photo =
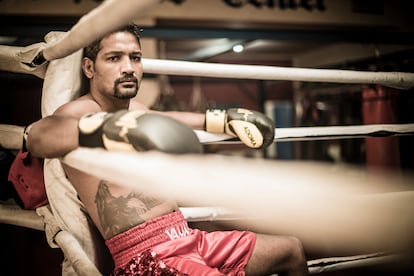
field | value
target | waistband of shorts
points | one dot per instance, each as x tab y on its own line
135	240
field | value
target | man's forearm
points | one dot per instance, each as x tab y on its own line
53	136
192	119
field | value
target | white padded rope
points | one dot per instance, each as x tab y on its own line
112	14
11	136
398	80
108	16
15	215
340	206
319	133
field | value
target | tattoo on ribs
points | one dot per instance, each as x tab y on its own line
119	213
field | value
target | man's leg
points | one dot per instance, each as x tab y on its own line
277	254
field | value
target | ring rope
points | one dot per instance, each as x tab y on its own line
319	133
111	14
342	203
399	80
107	17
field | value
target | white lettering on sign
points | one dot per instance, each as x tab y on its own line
79	1
282	4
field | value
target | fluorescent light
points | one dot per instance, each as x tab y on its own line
238	48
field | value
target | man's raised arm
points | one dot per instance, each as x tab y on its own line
53	136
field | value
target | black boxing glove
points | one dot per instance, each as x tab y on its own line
137	131
253	128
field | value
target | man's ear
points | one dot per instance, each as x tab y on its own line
87	67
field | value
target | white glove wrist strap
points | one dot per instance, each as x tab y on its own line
215	120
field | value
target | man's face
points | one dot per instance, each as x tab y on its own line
118	68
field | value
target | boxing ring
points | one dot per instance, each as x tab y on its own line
339	211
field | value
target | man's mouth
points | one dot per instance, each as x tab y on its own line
128	82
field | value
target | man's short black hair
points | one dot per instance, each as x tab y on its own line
91	51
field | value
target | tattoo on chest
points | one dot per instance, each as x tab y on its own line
118	213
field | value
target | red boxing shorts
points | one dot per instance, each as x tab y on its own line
167	246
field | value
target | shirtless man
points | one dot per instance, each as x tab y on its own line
143	232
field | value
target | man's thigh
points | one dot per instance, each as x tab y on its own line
270	255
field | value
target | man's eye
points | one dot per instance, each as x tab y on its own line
114	58
136	58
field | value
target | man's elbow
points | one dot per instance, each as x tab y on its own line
40	144
36	145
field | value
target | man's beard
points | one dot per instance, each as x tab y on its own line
121	92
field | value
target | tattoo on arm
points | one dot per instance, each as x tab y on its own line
119	213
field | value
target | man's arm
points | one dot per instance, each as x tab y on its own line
53	136
56	135
253	128
192	119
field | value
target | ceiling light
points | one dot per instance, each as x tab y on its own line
238	48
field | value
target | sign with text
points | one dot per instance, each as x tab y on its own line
316	12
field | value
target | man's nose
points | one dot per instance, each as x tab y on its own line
127	66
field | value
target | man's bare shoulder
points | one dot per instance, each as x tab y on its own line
78	107
135	105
